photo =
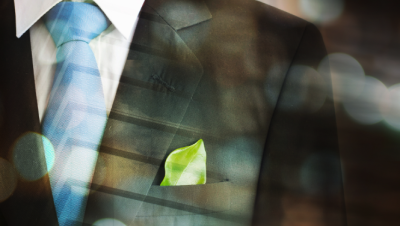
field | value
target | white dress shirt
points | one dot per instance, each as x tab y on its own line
110	48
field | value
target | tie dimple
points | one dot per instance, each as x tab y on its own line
75	117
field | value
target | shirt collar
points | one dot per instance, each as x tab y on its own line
122	13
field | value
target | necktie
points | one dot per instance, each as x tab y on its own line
75	116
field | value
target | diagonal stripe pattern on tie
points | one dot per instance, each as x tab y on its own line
76	110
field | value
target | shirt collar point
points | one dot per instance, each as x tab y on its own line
126	35
20	32
127	32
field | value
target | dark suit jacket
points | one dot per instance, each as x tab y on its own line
224	71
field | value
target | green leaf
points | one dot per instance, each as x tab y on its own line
186	166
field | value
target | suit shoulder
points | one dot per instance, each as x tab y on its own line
269	17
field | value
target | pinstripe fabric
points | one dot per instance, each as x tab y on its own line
76	108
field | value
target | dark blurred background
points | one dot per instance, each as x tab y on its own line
363	39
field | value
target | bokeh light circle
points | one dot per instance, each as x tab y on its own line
345	73
304	89
390	107
273	82
321	11
366	108
49	152
108	222
248	150
33	156
321	173
8	179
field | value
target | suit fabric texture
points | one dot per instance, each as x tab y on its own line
223	71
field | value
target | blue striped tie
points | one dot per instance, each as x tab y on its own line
76	115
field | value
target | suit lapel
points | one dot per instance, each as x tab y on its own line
31	202
160	77
181	13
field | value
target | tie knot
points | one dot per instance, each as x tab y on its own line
75	21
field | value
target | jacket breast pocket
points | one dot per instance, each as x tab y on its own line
186	199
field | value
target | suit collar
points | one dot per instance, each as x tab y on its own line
181	13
